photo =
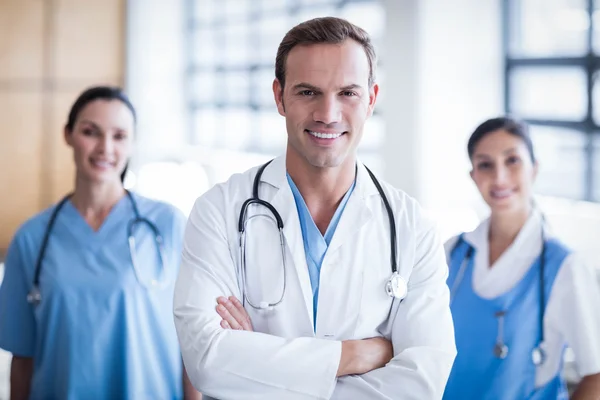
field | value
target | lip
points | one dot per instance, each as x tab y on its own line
334	135
503	193
102	164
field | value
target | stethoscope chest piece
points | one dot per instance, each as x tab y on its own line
537	356
501	351
396	286
34	296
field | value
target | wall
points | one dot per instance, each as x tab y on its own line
49	51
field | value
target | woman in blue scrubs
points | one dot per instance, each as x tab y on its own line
90	317
518	295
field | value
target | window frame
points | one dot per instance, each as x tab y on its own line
589	63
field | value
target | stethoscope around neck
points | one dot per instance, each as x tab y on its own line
501	349
34	296
395	286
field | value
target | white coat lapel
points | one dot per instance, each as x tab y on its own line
283	201
356	214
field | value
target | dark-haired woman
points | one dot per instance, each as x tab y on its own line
518	295
86	300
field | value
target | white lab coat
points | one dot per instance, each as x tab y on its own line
571	316
285	358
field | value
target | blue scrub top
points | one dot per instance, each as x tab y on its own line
97	333
315	244
477	373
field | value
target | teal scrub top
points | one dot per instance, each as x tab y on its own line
97	333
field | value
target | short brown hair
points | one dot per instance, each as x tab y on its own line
323	30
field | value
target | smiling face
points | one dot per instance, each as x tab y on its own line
326	101
504	171
102	140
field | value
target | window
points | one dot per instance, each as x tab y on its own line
552	59
232	47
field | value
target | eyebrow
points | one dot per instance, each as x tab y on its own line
90	123
505	152
96	126
304	85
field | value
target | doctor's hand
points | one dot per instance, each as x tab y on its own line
233	313
362	356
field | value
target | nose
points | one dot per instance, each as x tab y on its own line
501	175
328	110
106	144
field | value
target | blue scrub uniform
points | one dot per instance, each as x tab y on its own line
477	373
315	244
97	333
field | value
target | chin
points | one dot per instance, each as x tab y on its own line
101	177
506	206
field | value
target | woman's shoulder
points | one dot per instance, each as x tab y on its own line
35	225
472	237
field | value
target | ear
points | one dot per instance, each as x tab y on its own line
68	135
471	175
373	92
278	94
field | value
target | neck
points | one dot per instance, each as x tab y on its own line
504	227
96	200
321	187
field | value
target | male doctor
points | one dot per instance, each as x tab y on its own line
304	313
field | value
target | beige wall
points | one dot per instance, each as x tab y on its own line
50	50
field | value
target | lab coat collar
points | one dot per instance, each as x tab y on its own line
275	175
528	242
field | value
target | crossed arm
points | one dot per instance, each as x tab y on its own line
358	356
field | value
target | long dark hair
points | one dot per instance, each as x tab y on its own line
511	125
96	93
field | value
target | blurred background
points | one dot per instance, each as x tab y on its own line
199	73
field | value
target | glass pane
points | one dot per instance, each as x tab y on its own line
548	92
206	125
596	97
270	6
263	88
560	153
596	171
206	11
545	28
272	131
236	44
205	48
203	86
314	12
596	33
237	88
270	32
229	127
235	9
370	16
236	128
373	134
